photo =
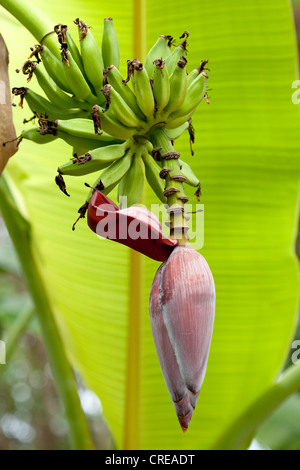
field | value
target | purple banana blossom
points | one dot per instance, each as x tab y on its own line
182	306
182	298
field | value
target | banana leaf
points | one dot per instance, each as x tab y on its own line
247	157
281	431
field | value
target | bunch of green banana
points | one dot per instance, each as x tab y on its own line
123	126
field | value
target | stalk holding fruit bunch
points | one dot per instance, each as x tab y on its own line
125	127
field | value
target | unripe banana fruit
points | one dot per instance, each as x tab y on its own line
142	87
110	45
178	87
160	50
195	93
119	107
112	76
161	85
93	161
53	66
131	185
91	56
40	105
152	171
53	92
178	52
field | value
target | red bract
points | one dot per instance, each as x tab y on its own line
135	227
182	306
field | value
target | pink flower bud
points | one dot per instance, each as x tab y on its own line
182	306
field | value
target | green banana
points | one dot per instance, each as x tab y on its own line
195	93
91	56
109	123
79	133
175	122
113	174
160	50
115	79
95	160
39	105
84	128
196	72
191	178
53	66
106	182
110	45
114	127
142	88
75	79
161	85
53	92
119	107
74	51
178	87
177	131
132	183
153	178
35	136
79	144
178	52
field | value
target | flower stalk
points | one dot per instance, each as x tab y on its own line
174	190
37	22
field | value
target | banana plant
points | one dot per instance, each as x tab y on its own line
244	152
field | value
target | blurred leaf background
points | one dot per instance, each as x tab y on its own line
30	417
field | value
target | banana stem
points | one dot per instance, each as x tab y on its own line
174	190
35	20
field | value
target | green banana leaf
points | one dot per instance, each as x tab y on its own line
247	157
282	431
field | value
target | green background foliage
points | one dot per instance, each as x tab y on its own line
247	158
